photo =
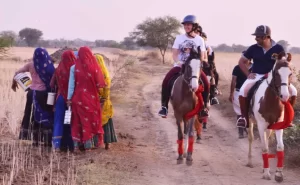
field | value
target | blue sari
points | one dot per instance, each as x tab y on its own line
43	115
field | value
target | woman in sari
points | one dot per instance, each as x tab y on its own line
85	80
62	132
43	115
106	105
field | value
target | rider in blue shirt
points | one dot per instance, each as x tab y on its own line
263	62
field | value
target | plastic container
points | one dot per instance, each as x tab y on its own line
51	98
23	80
68	114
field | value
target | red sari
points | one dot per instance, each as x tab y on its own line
62	73
86	117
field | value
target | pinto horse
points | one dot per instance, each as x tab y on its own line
270	105
184	99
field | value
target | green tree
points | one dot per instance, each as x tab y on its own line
11	36
157	33
30	35
4	45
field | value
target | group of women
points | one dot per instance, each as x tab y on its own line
82	84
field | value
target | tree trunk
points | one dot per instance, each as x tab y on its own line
163	52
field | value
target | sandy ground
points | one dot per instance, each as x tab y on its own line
146	152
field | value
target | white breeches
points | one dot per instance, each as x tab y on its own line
236	103
250	82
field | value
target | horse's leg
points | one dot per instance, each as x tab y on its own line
250	139
198	127
189	158
180	141
262	127
185	138
280	155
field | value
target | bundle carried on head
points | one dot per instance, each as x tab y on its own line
56	56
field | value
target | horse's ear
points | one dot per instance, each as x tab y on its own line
275	56
289	57
280	55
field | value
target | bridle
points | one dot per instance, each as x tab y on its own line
188	79
272	84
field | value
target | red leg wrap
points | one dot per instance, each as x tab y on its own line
191	144
280	159
180	146
265	157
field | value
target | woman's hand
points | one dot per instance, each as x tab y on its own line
14	86
69	103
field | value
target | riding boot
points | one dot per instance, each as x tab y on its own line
213	99
243	121
164	103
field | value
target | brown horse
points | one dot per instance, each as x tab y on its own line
184	99
269	107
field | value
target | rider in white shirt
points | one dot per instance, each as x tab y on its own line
182	46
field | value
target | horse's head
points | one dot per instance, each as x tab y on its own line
281	74
192	70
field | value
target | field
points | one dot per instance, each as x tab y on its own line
146	151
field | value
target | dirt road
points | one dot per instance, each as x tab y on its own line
146	152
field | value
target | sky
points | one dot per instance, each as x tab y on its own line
224	21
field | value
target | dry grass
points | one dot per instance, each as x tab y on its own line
19	162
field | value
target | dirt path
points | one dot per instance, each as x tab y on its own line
146	152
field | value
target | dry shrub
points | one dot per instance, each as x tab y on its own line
118	71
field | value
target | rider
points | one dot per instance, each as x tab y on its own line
181	47
210	70
237	80
261	54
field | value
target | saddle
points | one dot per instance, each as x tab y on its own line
252	91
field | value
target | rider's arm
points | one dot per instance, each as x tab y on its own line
203	52
233	82
244	63
175	53
245	60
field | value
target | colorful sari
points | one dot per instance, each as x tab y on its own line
62	133
107	108
86	111
43	115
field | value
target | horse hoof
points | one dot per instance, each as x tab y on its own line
250	165
278	177
267	176
189	160
205	130
180	159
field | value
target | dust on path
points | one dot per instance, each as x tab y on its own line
146	152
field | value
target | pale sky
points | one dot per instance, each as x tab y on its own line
224	21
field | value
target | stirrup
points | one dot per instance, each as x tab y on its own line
241	126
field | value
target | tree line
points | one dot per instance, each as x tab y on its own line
157	33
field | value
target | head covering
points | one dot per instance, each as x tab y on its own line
62	72
43	66
85	103
262	30
107	109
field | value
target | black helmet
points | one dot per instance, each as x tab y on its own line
262	30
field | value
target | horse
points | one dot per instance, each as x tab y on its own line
269	104
183	100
